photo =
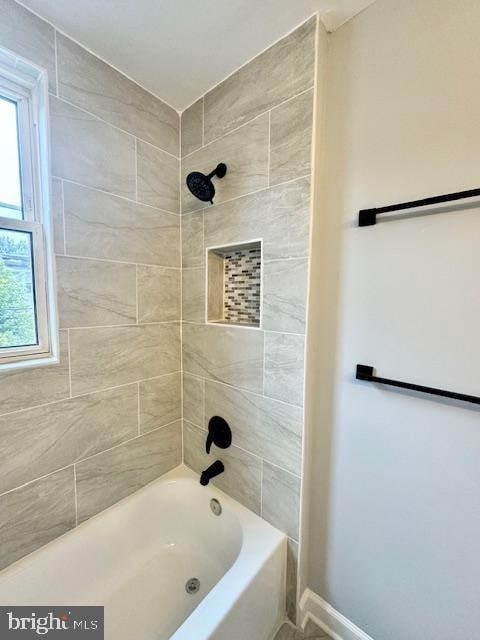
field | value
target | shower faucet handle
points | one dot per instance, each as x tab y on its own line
219	433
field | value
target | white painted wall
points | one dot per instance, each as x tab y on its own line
394	515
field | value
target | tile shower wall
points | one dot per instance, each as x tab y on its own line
78	436
259	122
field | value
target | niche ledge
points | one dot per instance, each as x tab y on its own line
234	280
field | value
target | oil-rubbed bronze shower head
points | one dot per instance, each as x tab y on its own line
201	185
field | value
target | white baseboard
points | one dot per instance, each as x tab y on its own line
315	608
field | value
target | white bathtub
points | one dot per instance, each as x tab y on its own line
136	557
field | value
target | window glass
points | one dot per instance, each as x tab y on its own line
10	189
17	295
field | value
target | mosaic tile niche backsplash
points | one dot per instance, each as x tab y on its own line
242	277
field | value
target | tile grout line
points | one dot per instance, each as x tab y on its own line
181	298
250	193
110	124
93	455
243	390
110	260
88	393
115	195
244	124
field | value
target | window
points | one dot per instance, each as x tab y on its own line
27	311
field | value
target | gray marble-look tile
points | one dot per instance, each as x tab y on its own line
284	367
265	427
193	294
97	87
292	566
279	215
28	36
227	354
281	499
291	126
93	292
99	225
192	127
115	474
159	295
244	151
193	399
160	401
281	72
38	441
107	357
285	295
192	240
242	476
36	514
24	388
90	151
57	216
157	178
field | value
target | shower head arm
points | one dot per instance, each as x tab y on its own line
219	171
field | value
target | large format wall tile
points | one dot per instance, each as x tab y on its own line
242	476
291	138
192	128
281	499
23	388
245	152
265	427
115	474
157	178
285	295
99	225
38	441
193	295
284	367
227	354
92	292
160	401
93	85
29	37
35	514
279	215
159	295
107	357
89	151
284	70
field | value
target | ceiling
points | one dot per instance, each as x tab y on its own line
179	49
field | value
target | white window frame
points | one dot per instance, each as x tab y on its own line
27	86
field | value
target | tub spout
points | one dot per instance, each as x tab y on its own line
213	470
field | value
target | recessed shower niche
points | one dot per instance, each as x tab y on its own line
234	282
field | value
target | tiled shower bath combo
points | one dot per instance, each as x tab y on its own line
142	369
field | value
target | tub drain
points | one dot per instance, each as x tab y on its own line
192	586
